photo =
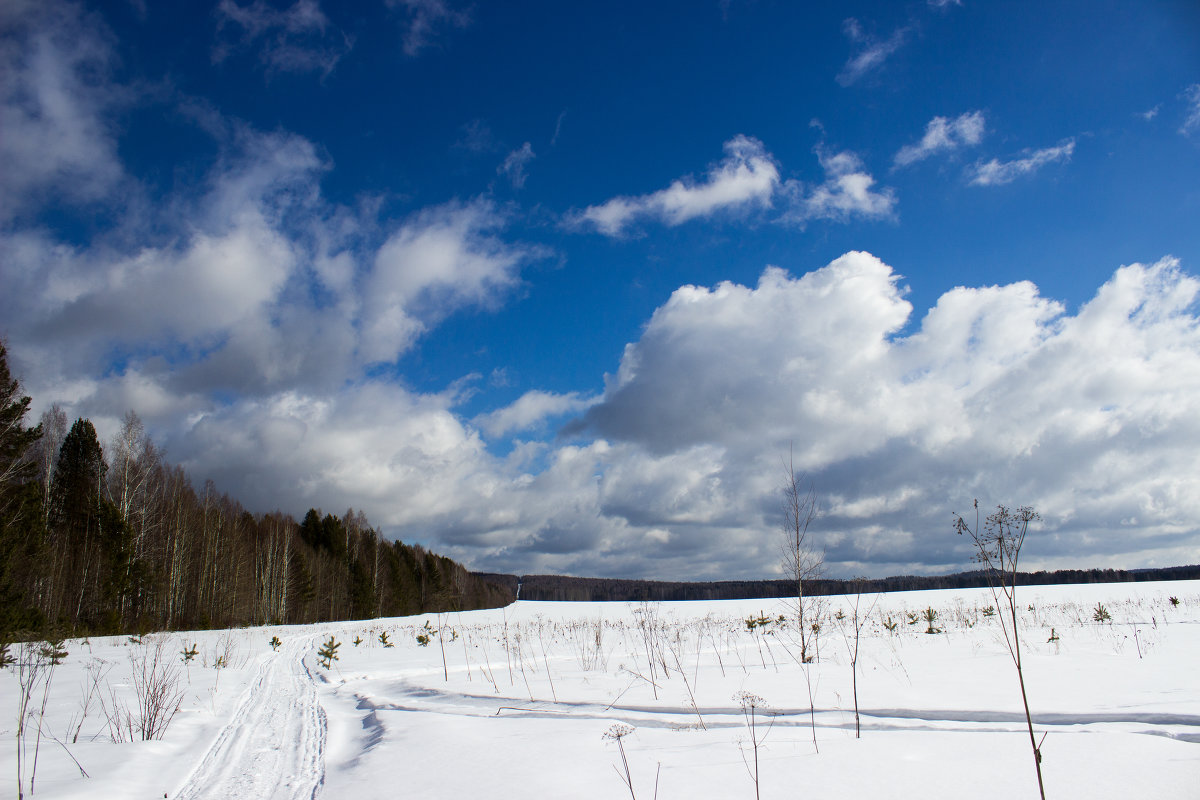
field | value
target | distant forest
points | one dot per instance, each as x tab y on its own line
565	588
119	540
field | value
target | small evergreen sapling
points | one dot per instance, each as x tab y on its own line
930	617
186	655
274	642
53	651
1101	614
328	653
383	640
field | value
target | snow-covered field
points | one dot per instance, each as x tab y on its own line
516	702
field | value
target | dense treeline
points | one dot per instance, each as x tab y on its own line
566	588
120	541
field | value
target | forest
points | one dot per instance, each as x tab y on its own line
572	589
115	539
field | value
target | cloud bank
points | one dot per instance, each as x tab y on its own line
996	392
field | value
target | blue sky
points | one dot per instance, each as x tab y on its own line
555	287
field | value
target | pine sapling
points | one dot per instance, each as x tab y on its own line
328	653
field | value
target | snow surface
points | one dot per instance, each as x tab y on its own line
532	689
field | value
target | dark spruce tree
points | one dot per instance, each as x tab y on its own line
75	526
22	534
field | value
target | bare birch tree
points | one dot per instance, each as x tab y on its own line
801	560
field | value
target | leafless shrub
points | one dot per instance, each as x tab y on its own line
852	625
34	675
617	733
157	690
752	707
97	668
998	548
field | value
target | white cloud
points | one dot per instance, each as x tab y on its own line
56	106
298	39
943	134
999	394
250	283
442	259
515	163
1191	122
996	172
529	410
845	193
364	447
425	19
747	176
873	53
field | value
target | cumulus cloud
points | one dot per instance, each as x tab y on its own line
943	134
442	259
363	447
998	394
297	39
425	19
846	192
997	173
57	102
995	392
746	177
530	410
515	163
872	54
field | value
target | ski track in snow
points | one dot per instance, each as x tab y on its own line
1182	727
273	747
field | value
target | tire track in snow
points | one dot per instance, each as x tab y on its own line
273	747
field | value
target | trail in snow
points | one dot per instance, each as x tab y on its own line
1182	727
273	747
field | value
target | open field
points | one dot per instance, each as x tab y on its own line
517	702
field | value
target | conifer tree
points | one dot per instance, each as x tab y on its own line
75	512
21	534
